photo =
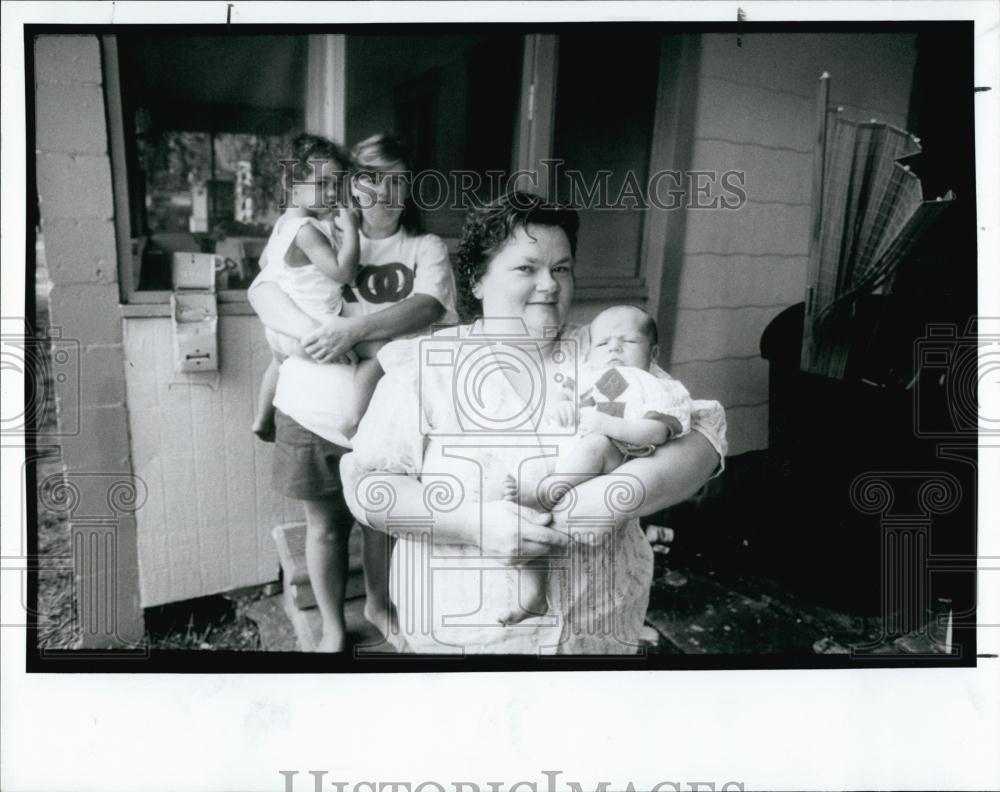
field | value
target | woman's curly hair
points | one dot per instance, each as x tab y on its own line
488	227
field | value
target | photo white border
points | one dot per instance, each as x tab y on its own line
894	728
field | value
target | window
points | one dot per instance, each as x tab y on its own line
199	124
202	149
604	123
597	104
454	99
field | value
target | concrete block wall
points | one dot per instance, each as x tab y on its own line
102	495
755	113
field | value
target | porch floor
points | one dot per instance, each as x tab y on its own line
282	630
690	612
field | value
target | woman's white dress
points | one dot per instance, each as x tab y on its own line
443	414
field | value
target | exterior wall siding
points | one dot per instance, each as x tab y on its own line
740	268
206	527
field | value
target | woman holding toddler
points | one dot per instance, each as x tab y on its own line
402	283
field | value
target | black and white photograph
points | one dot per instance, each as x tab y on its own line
358	344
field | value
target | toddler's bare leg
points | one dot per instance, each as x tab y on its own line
368	349
365	379
263	422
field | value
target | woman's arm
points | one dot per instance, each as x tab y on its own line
340	334
500	528
672	474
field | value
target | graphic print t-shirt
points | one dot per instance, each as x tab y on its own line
391	270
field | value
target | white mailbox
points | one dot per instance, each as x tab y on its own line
194	314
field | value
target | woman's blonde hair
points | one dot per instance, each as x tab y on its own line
382	151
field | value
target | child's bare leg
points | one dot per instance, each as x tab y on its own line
281	347
328	527
379	610
263	422
532	581
592	455
365	379
369	349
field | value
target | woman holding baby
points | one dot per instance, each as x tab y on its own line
516	534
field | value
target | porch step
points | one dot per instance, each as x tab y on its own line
304	598
290	540
308	628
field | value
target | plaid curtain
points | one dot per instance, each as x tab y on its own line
872	213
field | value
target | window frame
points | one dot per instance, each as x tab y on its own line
326	114
537	132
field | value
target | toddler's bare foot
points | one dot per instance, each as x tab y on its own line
384	620
263	427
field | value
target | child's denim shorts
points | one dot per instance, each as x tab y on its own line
306	467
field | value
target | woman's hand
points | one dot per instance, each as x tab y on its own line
333	340
514	533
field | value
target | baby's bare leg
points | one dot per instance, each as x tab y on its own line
533	579
592	455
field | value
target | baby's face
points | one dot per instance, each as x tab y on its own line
617	339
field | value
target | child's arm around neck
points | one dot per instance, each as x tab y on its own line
340	265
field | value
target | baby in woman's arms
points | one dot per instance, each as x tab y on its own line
624	412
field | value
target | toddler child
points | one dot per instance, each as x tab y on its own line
624	412
314	262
